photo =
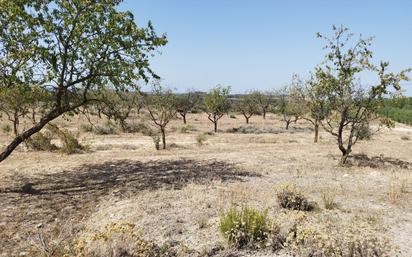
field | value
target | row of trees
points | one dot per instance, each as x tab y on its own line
59	58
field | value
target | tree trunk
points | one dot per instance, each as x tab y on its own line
184	118
247	120
344	158
27	134
316	132
287	124
215	122
163	137
264	113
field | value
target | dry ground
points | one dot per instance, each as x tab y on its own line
177	195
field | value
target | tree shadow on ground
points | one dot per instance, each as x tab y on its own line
73	194
362	160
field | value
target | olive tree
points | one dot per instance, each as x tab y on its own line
353	105
161	105
72	49
217	104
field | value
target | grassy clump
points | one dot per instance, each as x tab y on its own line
201	139
136	128
246	227
332	237
106	129
290	197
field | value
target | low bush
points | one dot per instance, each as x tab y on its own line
290	197
42	141
328	198
246	227
107	129
186	129
136	128
364	132
86	127
201	139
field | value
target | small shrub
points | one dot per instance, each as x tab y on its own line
290	197
86	127
232	116
186	129
328	198
106	129
136	128
201	139
42	141
245	227
70	143
364	132
6	128
405	138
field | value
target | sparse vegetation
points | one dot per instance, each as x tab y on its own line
290	197
245	227
217	104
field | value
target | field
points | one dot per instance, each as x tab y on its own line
176	196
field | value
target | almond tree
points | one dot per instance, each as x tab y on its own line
263	101
247	105
217	104
186	103
353	105
72	49
161	105
289	102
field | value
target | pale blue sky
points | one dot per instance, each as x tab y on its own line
260	44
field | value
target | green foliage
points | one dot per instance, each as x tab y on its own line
117	106
352	105
398	109
247	105
106	129
70	143
186	103
42	141
161	104
263	101
364	132
73	50
290	197
246	227
217	103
